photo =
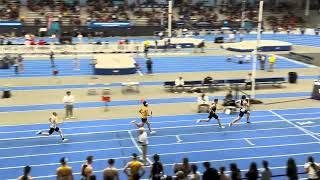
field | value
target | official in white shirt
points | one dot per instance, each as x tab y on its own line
203	102
143	141
179	83
68	101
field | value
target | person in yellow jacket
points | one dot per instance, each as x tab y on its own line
272	60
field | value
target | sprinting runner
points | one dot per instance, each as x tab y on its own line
244	103
53	127
212	114
145	112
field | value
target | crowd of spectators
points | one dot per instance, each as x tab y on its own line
9	11
185	170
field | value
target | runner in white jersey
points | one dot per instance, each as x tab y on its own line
244	102
53	127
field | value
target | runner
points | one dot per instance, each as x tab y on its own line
244	102
212	114
53	127
145	112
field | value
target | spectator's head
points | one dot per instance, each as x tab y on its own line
222	169
145	103
310	159
111	162
54	113
185	161
180	78
203	95
194	168
206	165
215	101
68	93
291	163
249	74
180	175
253	167
265	164
90	159
63	161
233	167
134	156
156	158
243	97
26	170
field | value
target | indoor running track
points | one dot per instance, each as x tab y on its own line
272	135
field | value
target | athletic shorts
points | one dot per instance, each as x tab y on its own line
53	129
213	115
243	112
144	120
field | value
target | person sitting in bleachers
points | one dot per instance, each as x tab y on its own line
179	83
229	100
203	103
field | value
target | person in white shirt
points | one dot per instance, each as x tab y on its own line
312	168
53	127
68	101
203	101
179	83
143	141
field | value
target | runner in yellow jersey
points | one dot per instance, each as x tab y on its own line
134	169
145	113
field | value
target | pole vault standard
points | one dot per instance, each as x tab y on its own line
254	53
169	18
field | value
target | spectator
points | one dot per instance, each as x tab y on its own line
52	59
87	169
156	168
195	175
312	168
26	174
111	172
210	173
266	172
133	168
149	65
16	67
262	59
229	100
253	172
184	167
68	101
292	169
20	63
203	101
235	172
143	141
223	176
272	60
208	81
64	172
179	83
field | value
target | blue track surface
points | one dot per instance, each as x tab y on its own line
272	135
39	68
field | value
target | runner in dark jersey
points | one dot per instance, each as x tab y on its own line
212	114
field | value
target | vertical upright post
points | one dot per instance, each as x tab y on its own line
243	12
254	53
307	10
169	18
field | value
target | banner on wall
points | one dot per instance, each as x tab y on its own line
109	24
10	23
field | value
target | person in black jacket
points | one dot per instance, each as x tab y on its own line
292	170
235	172
149	65
253	172
210	173
156	168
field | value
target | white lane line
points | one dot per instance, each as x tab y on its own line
215	160
248	141
179	140
298	127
